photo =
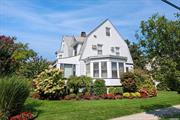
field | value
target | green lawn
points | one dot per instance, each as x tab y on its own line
99	109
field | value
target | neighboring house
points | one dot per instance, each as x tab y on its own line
102	53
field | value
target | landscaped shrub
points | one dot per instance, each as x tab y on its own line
144	93
23	116
13	93
162	86
87	96
144	82
116	90
70	97
137	94
133	95
126	95
50	84
118	97
99	87
128	82
75	83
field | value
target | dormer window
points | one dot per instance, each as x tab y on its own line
107	31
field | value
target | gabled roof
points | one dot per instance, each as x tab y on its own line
84	44
97	27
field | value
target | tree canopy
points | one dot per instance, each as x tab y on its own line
159	39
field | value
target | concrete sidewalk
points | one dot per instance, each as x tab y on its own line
152	115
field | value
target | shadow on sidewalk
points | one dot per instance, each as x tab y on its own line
164	111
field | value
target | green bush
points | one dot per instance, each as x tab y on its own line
143	81
75	83
116	90
13	93
50	84
162	86
128	82
99	87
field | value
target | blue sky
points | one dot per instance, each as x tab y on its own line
41	23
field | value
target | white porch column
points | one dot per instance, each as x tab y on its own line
91	69
109	69
99	69
124	67
117	65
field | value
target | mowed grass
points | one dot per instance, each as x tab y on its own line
99	109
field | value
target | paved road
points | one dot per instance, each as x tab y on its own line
153	115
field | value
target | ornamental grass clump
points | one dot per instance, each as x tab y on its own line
13	93
49	84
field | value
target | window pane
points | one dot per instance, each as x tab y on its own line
88	69
96	69
68	70
127	69
114	66
107	31
103	69
121	69
99	52
114	70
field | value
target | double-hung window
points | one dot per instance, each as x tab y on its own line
104	69
99	49
88	69
114	69
121	69
96	69
117	51
107	31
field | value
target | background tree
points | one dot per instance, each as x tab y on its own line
12	54
160	41
18	58
137	54
33	67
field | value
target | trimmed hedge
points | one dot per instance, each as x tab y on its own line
99	87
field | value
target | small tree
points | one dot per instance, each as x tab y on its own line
99	87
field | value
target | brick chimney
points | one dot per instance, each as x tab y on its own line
83	34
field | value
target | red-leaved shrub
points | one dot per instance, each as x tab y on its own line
23	116
144	93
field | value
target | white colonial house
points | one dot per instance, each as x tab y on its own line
102	53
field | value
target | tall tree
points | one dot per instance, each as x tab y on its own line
160	41
137	54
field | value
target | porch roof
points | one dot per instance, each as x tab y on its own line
106	56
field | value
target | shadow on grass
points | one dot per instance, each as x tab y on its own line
33	107
160	110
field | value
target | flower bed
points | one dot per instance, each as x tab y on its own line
110	96
24	116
